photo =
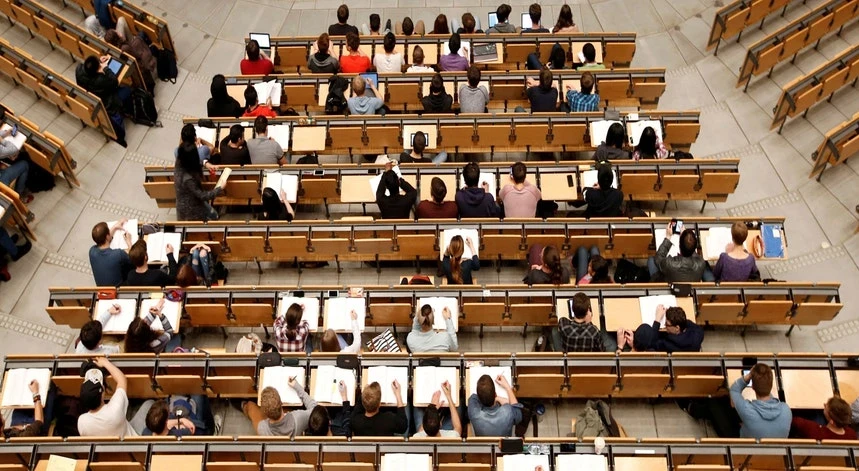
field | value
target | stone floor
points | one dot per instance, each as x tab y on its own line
820	227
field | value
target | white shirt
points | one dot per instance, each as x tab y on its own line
109	421
392	62
419	68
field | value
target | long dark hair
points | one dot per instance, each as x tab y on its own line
188	158
565	18
251	98
454	251
292	318
647	143
552	260
271	205
139	336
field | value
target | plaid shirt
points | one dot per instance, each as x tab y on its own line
283	343
580	336
581	102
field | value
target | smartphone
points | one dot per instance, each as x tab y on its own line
570	182
745	372
677	227
319	172
298	294
14	130
333	293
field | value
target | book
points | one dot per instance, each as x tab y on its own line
438	304
428	380
581	462
647	305
156	245
448	234
475	372
281	181
118	241
599	130
409	461
463	49
375	181
384	342
61	463
271	89
225	174
525	462
278	378
327	379
171	309
16	387
338	312
485	177
635	129
18	139
717	239
116	324
280	133
385	376
675	242
209	135
591	177
771	235
310	305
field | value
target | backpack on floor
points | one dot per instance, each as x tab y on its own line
143	109
165	61
335	102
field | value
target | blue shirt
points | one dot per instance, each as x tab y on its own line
495	421
581	102
364	104
109	266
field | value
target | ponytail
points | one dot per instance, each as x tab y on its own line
456	270
292	318
552	260
455	250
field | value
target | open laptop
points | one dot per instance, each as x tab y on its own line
526	21
493	19
114	65
487	52
263	39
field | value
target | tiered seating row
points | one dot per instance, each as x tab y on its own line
138	20
838	145
615	49
639	88
53	87
785	43
653	180
804	92
13	212
45	150
738	15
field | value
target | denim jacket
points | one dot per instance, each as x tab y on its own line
495	421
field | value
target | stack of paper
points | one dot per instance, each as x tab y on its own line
61	463
280	133
327	379
438	304
525	462
407	461
18	140
489	179
375	181
591	178
385	376
310	305
339	313
648	304
129	227
171	309
448	234
280	181
116	324
156	245
271	89
717	239
675	242
636	128
206	134
278	378
428	380
580	462
16	388
599	129
475	372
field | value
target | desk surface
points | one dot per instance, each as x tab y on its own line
640	463
848	384
356	189
806	389
555	186
175	462
80	465
748	393
626	312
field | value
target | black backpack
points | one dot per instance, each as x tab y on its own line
166	64
143	109
335	102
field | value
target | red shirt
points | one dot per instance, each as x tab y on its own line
257	67
805	428
431	210
356	64
260	110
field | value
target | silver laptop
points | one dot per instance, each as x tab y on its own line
263	39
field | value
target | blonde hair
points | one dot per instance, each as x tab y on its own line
371	397
270	403
455	251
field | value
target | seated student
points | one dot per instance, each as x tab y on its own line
391	203
109	266
440	25
94	76
437	207
320	424
252	106
334	342
178	416
375	26
579	334
590	53
31	429
269	418
234	148
536	13
469	25
603	200
680	335
431	422
612	147
490	415
503	26
457	271
438	101
649	146
473	98
836	411
100	419
342	28
453	62
321	62
596	270
222	105
474	201
14	169
354	61
262	149
766	416
546	267
140	337
565	22
407	27
735	263
361	104
519	196
418	62
543	95
194	269
291	332
369	421
136	47
15	252
257	62
275	207
389	61
417	156
205	149
584	100
423	338
557	59
90	337
142	275
686	267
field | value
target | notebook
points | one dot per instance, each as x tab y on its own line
16	388
599	129
269	90
171	309
116	324
717	239
375	181
448	234
581	462
281	181
647	305
525	462
485	177
428	380
463	46
438	304
339	312
18	139
591	177
118	241
675	242
225	175
407	461
385	376
771	235
278	378
327	379
475	372
280	133
636	128
209	135
61	463
311	309
156	245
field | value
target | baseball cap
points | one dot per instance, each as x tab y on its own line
92	389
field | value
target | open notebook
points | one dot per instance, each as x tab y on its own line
327	379
591	178
717	239
599	129
428	380
407	461
16	387
280	133
118	241
280	181
489	179
385	376
635	129
171	309
581	462
375	181
156	245
207	134
448	234
18	140
278	378
339	312
438	304
475	372
525	462
116	324
647	305
311	309
271	89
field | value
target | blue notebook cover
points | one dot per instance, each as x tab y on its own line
772	236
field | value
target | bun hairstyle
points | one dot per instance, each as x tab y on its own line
455	251
426	316
552	260
292	318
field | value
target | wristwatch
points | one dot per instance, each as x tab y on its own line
37	397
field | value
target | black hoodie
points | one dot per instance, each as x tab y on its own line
605	201
222	105
475	202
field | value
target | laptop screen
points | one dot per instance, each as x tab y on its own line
114	66
493	19
263	39
526	21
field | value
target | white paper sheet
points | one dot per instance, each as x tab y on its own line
156	245
118	241
18	140
525	462
311	309
428	380
438	304
171	309
717	239
580	462
599	129
280	133
327	379
278	378
647	305
281	181
117	324
635	129
591	178
475	372
339	312
16	389
385	376
406	461
675	242
485	177
448	234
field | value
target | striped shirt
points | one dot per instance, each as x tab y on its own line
582	102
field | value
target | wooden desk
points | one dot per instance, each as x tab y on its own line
848	384
555	186
640	463
806	389
174	462
308	138
626	312
356	189
80	465
748	393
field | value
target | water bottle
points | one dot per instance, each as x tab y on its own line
534	449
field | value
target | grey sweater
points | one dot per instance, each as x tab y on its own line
293	423
761	419
473	100
190	198
323	65
432	341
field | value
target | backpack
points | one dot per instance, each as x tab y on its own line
38	179
589	423
165	61
335	102
143	109
629	272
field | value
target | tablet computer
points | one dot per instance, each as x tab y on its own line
263	39
493	19
114	65
526	21
373	77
